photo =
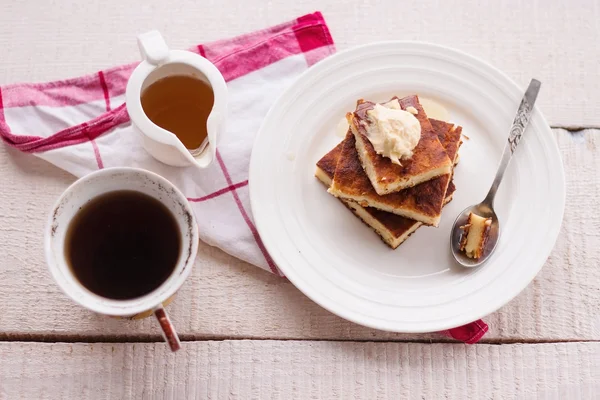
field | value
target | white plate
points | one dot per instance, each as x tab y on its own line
340	263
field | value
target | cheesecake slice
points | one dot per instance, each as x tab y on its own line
428	161
475	235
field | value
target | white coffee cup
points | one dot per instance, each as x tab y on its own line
114	179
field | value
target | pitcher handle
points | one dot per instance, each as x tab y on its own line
153	47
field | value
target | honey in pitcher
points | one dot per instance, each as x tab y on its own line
180	104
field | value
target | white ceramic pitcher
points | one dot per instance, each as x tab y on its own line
160	62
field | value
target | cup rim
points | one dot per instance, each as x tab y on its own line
83	296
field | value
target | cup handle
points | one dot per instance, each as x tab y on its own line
167	328
153	47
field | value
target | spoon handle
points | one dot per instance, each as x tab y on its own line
516	132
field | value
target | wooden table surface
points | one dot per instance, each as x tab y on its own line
248	334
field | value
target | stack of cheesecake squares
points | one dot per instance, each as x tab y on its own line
394	199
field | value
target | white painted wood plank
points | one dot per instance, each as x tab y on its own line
299	370
226	298
554	41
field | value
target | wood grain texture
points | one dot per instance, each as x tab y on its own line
226	298
299	370
554	41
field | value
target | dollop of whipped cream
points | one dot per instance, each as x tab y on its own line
393	132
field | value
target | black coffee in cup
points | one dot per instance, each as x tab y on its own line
123	244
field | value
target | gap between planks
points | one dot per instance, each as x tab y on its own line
190	338
575	128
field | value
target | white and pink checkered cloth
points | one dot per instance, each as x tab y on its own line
81	125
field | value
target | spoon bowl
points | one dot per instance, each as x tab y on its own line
483	210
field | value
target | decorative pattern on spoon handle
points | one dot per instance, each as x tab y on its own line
523	114
519	124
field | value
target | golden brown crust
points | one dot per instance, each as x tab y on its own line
428	156
451	189
395	224
462	245
425	199
450	137
485	234
329	161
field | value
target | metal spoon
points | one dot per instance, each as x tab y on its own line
486	207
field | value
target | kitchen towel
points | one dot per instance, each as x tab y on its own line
81	125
